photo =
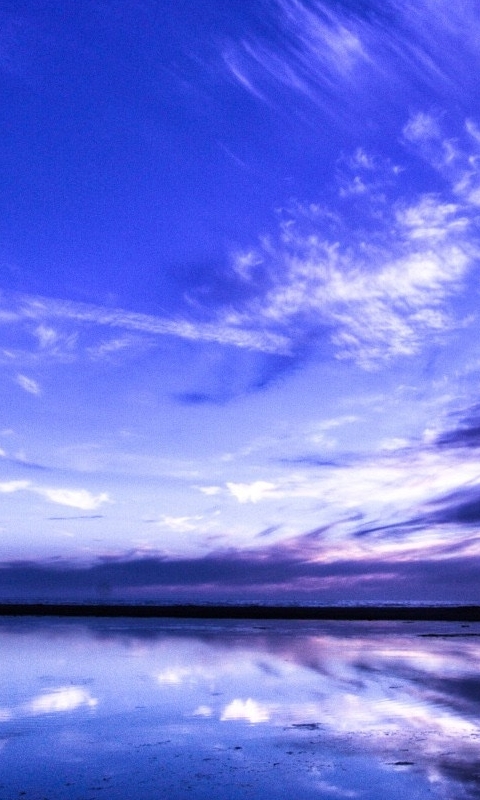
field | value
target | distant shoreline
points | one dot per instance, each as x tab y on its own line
457	613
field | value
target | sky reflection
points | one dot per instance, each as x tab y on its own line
330	709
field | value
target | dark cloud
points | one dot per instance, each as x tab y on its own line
461	507
277	572
310	461
393	530
467	432
196	398
267	531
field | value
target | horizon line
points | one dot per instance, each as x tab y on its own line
393	612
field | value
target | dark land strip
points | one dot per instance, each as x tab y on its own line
458	613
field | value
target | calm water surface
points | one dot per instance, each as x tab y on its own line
97	709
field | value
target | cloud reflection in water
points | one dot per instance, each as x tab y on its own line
323	709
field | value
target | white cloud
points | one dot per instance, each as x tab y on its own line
244	263
115	345
210	491
432	219
180	524
222	331
336	422
47	337
74	498
252	492
363	160
28	384
232	62
378	301
421	127
8	487
394	444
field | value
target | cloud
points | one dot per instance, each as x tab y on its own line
461	507
74	498
465	435
252	492
180	524
325	53
276	572
422	127
313	48
223	332
375	301
28	384
20	461
53	342
370	286
8	487
382	289
119	344
210	491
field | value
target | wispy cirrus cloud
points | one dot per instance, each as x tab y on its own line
370	280
29	385
42	310
314	46
374	300
374	276
324	53
37	308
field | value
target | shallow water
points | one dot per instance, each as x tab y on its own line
94	709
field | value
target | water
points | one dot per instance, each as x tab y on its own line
112	709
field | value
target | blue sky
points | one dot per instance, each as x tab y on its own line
239	342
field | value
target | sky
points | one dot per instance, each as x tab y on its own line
239	333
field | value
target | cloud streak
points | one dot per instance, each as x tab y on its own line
73	498
42	309
28	384
325	53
